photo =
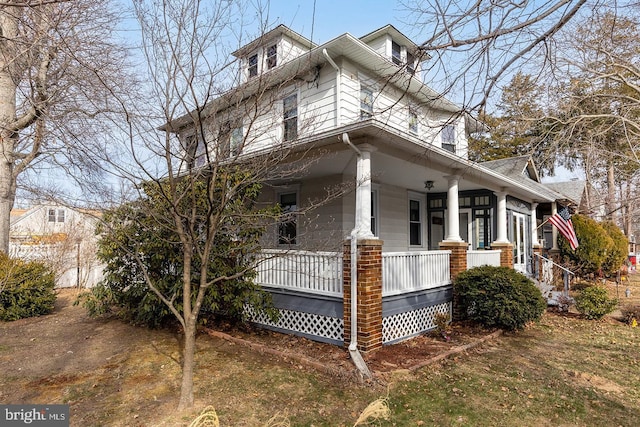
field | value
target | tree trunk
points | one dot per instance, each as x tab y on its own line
8	137
188	360
611	194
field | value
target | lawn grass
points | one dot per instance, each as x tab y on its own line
562	371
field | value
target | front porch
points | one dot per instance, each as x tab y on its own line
311	290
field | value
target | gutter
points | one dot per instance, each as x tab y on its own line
356	357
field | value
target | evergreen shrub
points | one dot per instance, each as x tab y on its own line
26	288
498	297
594	302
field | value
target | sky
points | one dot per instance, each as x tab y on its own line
333	18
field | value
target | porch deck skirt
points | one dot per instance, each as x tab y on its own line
320	317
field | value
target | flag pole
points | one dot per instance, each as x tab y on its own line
543	223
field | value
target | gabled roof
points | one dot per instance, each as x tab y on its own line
523	170
515	166
573	190
271	35
394	33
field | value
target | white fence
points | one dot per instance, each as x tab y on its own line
71	269
314	272
404	272
483	257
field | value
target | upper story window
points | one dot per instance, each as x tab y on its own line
396	53
366	102
413	120
448	136
272	56
195	151
290	112
230	139
411	63
56	215
253	65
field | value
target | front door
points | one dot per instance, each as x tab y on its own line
520	242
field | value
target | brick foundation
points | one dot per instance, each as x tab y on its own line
506	256
369	294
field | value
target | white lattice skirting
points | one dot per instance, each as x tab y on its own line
331	328
410	323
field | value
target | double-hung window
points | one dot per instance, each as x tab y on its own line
288	229
415	222
366	102
272	56
52	215
290	116
396	53
411	63
252	69
448	136
374	212
413	120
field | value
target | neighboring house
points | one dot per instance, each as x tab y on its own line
60	236
421	210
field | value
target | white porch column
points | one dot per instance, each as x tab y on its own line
501	236
534	225
363	192
554	231
453	216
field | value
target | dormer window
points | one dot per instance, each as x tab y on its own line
272	56
411	63
396	53
253	65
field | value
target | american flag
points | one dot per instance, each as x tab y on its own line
562	221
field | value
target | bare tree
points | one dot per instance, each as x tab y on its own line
59	67
207	150
473	47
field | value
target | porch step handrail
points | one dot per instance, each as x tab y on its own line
539	274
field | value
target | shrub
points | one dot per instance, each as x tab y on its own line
593	302
595	244
630	313
26	289
498	297
618	251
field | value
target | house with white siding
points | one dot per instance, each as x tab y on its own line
420	210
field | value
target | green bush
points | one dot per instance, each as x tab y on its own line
618	251
593	302
498	297
26	289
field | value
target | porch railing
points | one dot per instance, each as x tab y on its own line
404	272
483	257
305	271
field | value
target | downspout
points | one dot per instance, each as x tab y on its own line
356	357
338	91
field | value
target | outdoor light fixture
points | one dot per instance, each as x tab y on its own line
428	185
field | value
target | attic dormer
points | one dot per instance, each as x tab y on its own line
269	51
395	47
